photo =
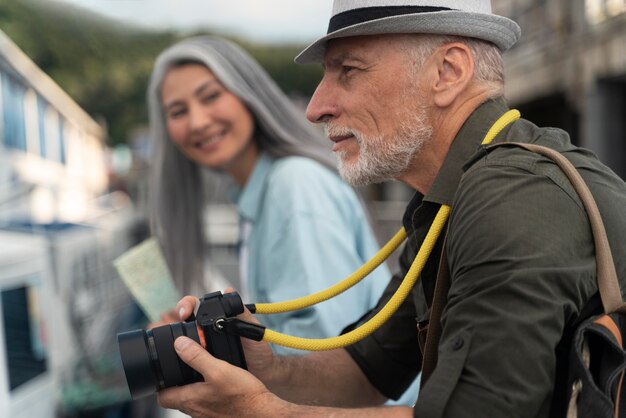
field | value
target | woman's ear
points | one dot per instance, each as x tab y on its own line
455	70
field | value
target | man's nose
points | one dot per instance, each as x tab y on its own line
322	106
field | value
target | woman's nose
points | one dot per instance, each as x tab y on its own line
199	118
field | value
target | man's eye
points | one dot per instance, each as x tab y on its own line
347	69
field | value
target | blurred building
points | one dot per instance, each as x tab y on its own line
61	226
569	70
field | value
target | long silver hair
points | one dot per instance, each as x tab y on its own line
177	185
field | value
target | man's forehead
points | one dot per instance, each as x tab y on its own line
359	48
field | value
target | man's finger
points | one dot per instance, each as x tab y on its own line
247	316
170	398
194	355
186	306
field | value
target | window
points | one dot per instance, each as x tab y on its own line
51	126
62	140
41	123
31	122
13	115
23	335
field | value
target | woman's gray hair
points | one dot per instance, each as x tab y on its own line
177	183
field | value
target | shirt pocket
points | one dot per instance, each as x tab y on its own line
451	360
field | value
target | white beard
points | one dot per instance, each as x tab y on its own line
383	158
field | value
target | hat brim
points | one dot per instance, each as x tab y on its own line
501	31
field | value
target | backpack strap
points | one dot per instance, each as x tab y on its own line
440	298
608	284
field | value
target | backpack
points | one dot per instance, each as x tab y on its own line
597	360
596	368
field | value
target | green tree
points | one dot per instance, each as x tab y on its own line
105	65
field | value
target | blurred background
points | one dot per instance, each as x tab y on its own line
75	154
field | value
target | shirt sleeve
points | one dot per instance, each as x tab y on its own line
319	231
390	357
522	265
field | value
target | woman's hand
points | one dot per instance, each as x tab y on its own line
167	318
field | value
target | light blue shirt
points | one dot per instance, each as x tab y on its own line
306	231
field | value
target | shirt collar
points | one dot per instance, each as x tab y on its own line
250	197
465	144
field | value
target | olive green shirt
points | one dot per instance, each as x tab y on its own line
522	266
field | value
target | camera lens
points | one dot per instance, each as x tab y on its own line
150	361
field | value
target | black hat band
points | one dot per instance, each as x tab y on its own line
366	14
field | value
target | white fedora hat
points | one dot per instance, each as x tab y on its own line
471	18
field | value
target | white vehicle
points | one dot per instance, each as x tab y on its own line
27	385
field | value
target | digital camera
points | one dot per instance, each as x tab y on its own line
149	358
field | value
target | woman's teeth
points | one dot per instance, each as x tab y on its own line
211	139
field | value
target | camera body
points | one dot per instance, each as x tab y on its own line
150	361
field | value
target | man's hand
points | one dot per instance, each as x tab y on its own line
259	356
328	378
227	390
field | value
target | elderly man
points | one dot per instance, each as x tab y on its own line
410	89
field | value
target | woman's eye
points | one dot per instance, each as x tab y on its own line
175	114
209	98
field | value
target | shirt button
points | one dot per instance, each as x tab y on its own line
457	344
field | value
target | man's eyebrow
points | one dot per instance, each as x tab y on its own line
341	59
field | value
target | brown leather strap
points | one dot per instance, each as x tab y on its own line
608	283
607	322
440	297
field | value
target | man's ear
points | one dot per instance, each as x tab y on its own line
455	70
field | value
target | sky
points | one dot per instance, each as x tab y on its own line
261	20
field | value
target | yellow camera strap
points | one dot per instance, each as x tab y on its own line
244	329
